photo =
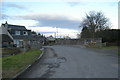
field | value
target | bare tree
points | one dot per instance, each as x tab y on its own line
95	21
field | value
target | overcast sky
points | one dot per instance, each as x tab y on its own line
44	16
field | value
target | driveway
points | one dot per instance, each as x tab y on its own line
73	62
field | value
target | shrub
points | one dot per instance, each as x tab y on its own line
10	51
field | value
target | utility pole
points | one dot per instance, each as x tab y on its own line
55	34
57	31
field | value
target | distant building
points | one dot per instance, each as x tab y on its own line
19	33
50	40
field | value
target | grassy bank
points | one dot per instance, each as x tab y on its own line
110	47
118	52
13	64
8	51
106	48
103	47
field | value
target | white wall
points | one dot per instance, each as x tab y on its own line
3	30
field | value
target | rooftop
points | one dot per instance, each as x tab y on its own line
11	26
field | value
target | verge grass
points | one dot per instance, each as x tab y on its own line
118	52
103	47
110	47
14	64
106	48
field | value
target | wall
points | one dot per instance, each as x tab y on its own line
93	42
3	30
69	41
85	41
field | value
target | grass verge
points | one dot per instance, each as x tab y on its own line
110	47
103	47
106	48
118	52
14	64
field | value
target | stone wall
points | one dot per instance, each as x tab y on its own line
85	41
27	45
69	41
93	41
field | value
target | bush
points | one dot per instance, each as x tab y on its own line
10	51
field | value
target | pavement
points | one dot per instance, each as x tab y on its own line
62	61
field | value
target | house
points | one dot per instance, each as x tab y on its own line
22	37
50	40
5	37
19	34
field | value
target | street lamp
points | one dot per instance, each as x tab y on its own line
56	32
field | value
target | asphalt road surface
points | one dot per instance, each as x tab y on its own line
73	62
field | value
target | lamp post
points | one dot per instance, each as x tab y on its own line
57	31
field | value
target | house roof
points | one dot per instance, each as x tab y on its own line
18	27
50	38
5	38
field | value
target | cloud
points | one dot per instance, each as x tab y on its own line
61	0
4	16
16	6
47	31
73	3
52	20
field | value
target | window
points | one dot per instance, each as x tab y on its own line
17	32
16	42
25	33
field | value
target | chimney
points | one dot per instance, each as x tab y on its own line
6	24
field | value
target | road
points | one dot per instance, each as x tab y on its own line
73	62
